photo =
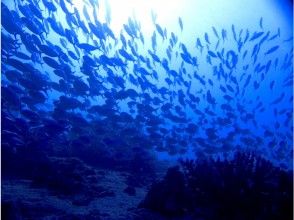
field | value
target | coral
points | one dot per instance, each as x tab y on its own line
131	191
168	196
245	187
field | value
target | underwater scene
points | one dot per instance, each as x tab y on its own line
144	109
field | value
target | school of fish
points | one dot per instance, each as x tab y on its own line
69	80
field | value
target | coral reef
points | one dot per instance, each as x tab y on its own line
245	187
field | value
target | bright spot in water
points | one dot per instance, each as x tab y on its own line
197	15
121	10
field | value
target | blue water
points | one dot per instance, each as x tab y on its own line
244	78
83	79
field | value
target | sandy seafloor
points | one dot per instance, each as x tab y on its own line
24	200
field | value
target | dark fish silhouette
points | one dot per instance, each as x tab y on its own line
271	50
256	35
180	23
261	22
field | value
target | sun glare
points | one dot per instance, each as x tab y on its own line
166	12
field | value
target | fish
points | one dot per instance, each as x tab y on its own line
289	39
13	75
153	16
22	55
230	88
246	36
279	99
232	59
97	30
48	50
206	38
80	87
154	56
247	81
49	6
256	85
223	89
71	36
86	14
256	35
51	62
272	84
200	79
73	55
255	50
272	49
64	7
212	54
275	36
154	42
160	31
217	45
261	22
142	38
215	32
244	54
264	38
180	23
268	66
87	47
126	55
224	34
209	98
234	32
199	45
33	25
108	31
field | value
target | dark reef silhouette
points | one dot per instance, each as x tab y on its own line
245	187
